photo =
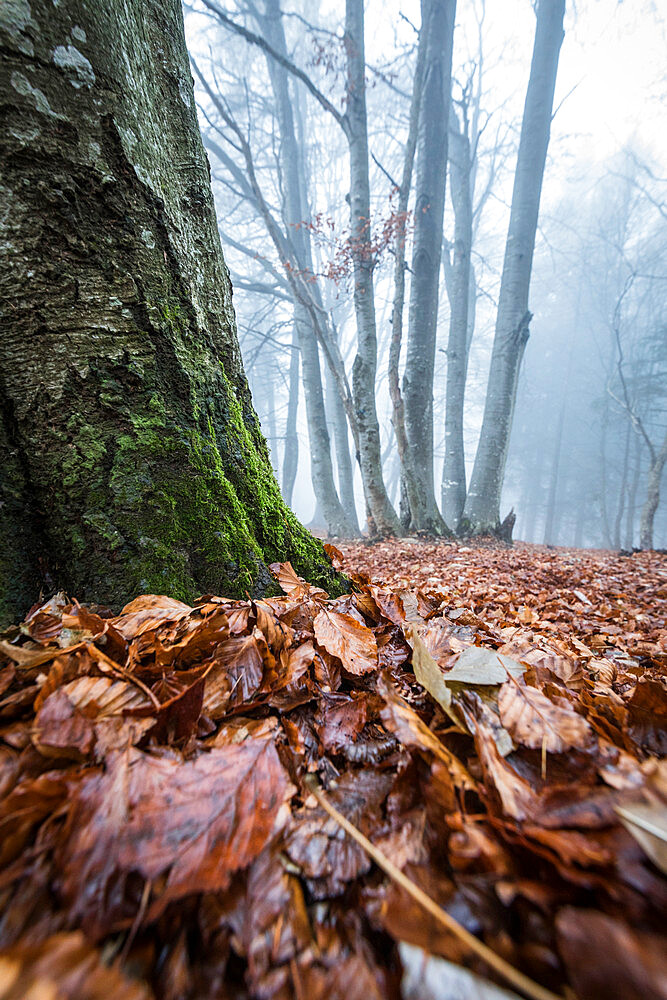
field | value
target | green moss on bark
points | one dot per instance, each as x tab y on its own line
139	462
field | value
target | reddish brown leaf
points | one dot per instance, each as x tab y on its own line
64	967
535	721
353	643
194	821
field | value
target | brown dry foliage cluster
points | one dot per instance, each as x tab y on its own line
493	722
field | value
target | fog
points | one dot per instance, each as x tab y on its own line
566	428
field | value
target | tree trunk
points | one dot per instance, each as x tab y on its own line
425	282
133	458
364	369
453	491
410	493
532	497
291	449
482	510
295	212
632	493
342	450
652	496
620	506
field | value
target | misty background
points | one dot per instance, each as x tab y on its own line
590	414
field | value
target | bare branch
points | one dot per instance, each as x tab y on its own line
287	64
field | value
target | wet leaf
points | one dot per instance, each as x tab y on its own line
194	821
353	643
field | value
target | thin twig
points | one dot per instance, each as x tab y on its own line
522	982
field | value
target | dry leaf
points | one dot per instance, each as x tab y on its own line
533	720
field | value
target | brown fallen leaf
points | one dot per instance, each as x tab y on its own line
406	725
195	821
607	958
64	967
148	611
429	674
342	636
533	720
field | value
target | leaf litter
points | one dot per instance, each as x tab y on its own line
457	763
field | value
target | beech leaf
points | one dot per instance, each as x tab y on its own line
196	821
533	720
343	636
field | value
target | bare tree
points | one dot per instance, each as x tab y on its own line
426	257
482	509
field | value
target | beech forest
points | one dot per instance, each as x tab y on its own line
333	517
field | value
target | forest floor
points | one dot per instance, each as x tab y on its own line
185	790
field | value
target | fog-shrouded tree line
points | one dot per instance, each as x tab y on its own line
407	345
448	321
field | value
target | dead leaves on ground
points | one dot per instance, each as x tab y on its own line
158	839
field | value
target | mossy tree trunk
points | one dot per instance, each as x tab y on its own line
132	459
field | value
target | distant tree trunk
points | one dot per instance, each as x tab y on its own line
656	468
365	363
632	494
294	212
132	457
604	511
410	497
453	489
620	506
342	449
291	451
532	497
550	526
549	533
482	510
425	281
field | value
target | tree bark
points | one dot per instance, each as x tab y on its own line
620	506
344	464
133	457
482	510
364	370
453	491
409	475
656	469
425	281
632	493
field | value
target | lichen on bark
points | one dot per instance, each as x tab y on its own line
133	459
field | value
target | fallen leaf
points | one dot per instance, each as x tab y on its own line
353	643
196	821
533	720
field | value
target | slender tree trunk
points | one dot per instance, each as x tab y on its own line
453	490
532	498
425	281
632	493
652	496
482	510
549	533
364	369
291	451
409	476
133	459
604	510
342	449
294	212
620	506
